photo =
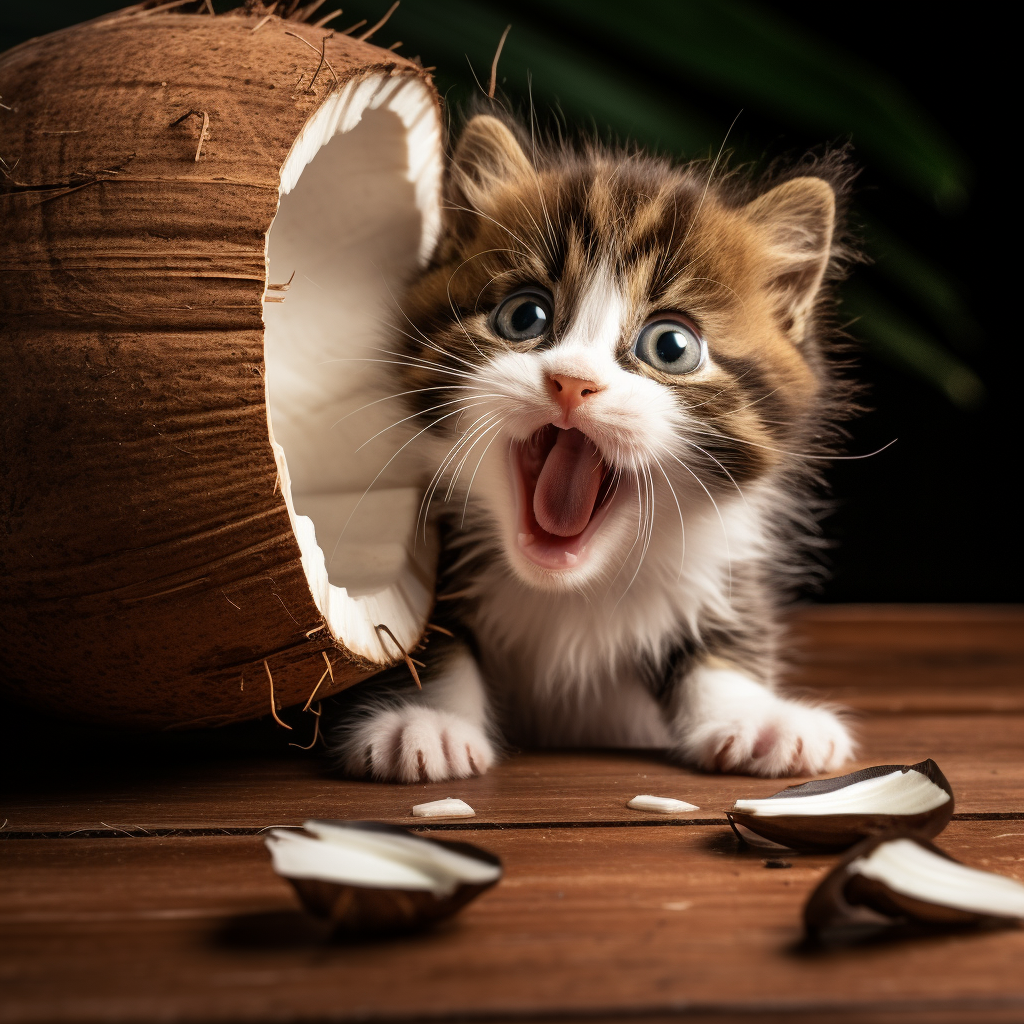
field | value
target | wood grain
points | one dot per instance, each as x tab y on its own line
609	921
604	913
900	658
981	756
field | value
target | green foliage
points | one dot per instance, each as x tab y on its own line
672	75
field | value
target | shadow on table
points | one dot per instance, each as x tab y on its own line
292	929
274	929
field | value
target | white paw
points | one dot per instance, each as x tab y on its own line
417	744
742	728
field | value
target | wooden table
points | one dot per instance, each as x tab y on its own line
136	887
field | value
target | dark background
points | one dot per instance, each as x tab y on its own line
924	103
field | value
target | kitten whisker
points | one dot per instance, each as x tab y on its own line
396	362
402	394
435	480
707	184
427	341
721	391
465	455
720	284
682	527
451	301
497	426
461	440
481	433
455	312
423	412
732	479
634	472
499	225
648	524
718	512
529	213
490	281
799	455
355	507
433	347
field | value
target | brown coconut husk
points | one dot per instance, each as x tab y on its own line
151	569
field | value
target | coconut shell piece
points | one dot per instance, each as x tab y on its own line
832	814
200	215
369	878
900	880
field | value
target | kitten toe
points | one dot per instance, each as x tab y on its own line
727	747
732	723
420	755
370	745
794	740
415	744
468	750
822	742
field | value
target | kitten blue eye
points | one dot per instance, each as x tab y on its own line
523	316
671	346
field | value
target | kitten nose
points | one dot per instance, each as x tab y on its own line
571	392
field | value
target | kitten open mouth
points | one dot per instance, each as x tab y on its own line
564	489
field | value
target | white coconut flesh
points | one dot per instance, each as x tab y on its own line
375	860
660	804
896	793
359	212
913	870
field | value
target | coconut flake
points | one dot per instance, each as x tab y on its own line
661	804
450	807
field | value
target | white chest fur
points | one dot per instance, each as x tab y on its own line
566	668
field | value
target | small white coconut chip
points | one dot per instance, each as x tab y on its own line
661	805
447	808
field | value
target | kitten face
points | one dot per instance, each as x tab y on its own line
607	347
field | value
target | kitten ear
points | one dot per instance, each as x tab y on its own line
797	219
487	155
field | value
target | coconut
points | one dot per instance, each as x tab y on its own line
833	814
367	877
204	220
900	879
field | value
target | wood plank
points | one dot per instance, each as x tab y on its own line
980	754
602	921
906	658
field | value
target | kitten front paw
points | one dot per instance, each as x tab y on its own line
745	729
416	744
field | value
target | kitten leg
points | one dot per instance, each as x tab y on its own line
725	721
419	736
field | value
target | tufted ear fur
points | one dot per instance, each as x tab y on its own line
797	219
487	156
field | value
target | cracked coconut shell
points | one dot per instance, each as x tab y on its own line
900	880
366	877
183	538
828	815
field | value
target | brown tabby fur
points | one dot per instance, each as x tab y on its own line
751	261
676	238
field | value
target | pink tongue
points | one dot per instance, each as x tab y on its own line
568	484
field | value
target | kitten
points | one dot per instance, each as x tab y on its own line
620	371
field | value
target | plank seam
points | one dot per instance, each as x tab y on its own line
461	826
